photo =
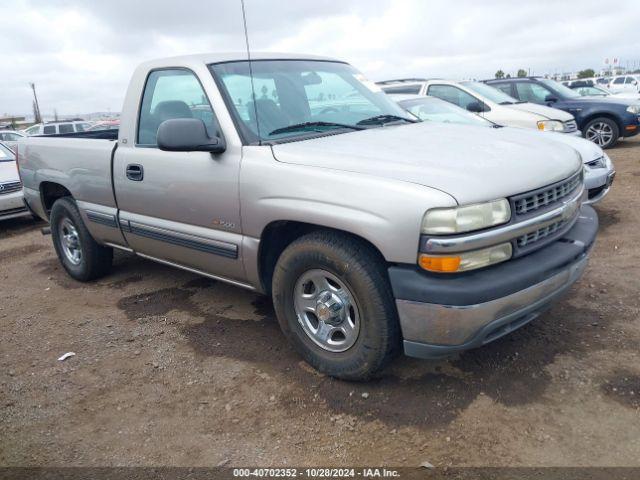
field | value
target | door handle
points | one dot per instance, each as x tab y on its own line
135	172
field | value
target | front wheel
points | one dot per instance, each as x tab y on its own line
81	256
333	301
602	131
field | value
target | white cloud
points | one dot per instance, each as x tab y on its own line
80	54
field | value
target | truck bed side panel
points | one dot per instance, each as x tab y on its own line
83	167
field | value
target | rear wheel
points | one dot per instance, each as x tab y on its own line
81	256
602	131
334	303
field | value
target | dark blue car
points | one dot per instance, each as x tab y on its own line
601	120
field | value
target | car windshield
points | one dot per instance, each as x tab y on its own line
6	155
492	94
297	98
592	91
433	109
566	92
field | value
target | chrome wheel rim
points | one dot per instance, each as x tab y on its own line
326	310
600	133
70	241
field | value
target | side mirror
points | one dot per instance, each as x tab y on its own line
187	135
551	99
475	107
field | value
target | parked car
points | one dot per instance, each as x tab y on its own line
597	91
489	103
601	120
370	230
106	125
625	83
11	198
599	171
57	128
10	138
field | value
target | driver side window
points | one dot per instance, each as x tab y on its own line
532	92
170	94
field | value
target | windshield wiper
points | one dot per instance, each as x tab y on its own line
385	118
506	103
302	126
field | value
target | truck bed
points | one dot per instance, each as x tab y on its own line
79	161
94	134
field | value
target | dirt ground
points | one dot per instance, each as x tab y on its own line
174	369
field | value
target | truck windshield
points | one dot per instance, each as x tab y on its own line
298	98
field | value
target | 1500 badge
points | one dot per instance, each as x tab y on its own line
223	224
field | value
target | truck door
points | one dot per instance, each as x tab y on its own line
179	207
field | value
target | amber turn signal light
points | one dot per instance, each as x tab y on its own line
440	264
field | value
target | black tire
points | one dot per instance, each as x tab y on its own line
362	270
605	123
95	260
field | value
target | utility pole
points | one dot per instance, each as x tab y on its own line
36	112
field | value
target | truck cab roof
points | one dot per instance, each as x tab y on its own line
221	57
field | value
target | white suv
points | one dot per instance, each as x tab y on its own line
55	128
488	102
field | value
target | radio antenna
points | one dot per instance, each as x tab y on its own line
253	90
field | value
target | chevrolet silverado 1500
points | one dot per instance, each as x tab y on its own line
296	177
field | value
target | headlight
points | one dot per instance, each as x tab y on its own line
597	163
635	109
462	262
443	221
550	126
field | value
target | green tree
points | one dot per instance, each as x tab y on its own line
499	74
588	73
522	73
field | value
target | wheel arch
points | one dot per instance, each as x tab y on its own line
279	234
599	114
50	192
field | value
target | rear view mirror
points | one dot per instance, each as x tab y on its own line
551	99
475	107
311	78
187	135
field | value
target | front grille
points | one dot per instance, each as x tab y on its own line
570	126
546	196
10	187
544	232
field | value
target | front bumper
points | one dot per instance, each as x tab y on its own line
598	189
442	315
12	206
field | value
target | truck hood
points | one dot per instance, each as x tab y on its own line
546	112
472	164
8	172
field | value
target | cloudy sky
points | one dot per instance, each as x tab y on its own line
80	53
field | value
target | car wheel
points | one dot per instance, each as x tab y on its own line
81	256
334	303
602	131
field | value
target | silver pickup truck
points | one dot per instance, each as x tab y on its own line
296	177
